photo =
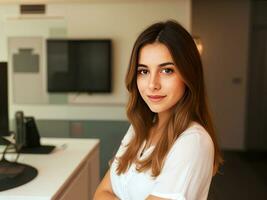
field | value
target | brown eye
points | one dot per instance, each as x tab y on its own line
142	71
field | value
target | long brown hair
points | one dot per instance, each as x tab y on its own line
191	107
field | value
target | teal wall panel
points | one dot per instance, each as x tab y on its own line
53	128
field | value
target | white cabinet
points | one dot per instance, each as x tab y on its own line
84	181
70	172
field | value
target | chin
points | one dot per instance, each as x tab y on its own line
156	109
160	108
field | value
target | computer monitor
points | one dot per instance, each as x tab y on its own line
12	174
4	120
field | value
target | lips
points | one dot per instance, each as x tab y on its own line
155	98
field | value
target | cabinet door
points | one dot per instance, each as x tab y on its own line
93	172
78	188
83	185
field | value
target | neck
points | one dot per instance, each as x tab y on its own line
162	119
157	129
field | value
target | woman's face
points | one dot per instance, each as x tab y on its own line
158	79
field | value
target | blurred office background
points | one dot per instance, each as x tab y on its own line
233	35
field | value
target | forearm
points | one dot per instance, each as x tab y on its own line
105	195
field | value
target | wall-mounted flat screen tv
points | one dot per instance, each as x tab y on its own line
79	65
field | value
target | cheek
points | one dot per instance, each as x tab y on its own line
179	87
140	85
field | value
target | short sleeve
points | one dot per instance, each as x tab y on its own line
187	171
125	141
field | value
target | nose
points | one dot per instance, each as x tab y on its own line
154	82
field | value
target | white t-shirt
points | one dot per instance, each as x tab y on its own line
186	174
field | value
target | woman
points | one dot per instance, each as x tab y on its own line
170	150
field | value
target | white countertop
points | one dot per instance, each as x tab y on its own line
53	169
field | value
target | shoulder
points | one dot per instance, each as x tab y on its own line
194	141
196	133
188	167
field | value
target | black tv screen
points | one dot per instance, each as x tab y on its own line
79	65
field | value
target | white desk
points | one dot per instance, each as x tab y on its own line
70	172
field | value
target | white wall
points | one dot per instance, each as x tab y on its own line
223	27
119	21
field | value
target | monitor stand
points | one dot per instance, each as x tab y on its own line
4	141
42	149
14	174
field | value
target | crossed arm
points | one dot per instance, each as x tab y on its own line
104	191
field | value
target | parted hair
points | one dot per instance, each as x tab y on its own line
192	106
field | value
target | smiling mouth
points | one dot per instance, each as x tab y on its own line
156	98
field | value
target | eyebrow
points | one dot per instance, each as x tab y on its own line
160	65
